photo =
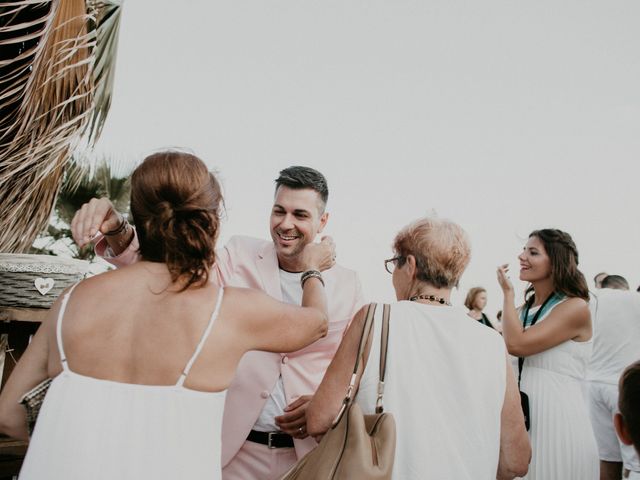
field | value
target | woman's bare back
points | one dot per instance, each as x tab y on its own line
133	326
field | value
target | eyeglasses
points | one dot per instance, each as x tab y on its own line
391	264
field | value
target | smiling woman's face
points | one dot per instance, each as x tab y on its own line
534	261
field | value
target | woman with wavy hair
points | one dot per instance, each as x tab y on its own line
551	333
141	356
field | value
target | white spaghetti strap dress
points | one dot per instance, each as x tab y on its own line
99	429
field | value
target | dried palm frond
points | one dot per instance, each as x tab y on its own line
107	28
48	92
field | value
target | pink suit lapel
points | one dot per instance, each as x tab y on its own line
269	271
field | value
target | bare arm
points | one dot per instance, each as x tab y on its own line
260	322
327	400
569	320
32	368
515	448
267	324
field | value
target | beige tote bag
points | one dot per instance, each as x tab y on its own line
357	446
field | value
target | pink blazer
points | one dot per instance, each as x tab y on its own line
252	263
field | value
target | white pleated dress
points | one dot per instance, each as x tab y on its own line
98	429
562	440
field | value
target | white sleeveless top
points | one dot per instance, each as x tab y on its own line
562	441
100	429
445	385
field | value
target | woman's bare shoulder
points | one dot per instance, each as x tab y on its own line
574	304
573	309
117	290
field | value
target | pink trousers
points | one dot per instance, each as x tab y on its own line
255	461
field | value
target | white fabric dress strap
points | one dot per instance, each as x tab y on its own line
63	307
205	335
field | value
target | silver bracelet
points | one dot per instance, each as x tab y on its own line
309	274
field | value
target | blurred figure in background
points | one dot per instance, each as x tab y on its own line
476	301
616	344
615	281
598	279
498	324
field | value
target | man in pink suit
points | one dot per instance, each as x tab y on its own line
264	427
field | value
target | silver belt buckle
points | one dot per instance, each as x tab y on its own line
269	436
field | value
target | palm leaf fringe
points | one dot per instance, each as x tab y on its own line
55	92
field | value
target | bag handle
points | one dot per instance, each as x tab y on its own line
384	344
366	330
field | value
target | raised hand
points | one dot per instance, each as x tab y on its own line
319	256
97	215
503	279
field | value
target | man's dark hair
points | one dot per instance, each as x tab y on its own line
298	178
629	400
615	281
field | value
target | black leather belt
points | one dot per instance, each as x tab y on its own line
271	439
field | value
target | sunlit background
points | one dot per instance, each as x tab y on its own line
503	116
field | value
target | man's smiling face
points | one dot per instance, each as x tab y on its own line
297	217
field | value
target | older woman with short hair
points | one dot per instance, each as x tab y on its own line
448	382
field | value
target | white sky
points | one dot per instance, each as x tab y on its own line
503	116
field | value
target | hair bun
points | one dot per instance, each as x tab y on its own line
175	203
165	210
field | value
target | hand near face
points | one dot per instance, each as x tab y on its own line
503	279
97	215
319	256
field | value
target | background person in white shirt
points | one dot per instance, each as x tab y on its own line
616	344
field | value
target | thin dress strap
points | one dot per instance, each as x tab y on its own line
63	307
205	335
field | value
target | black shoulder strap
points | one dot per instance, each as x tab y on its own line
533	322
486	320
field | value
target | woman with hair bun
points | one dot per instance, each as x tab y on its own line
552	335
140	373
